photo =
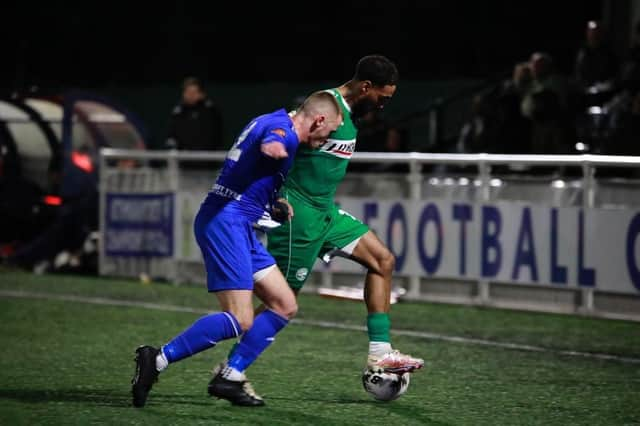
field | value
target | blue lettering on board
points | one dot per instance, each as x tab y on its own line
586	276
491	218
430	214
397	214
525	248
632	235
558	272
462	213
370	212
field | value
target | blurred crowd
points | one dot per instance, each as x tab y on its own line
593	108
539	110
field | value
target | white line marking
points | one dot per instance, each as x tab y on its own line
100	301
324	324
482	342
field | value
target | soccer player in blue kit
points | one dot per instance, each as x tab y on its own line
237	264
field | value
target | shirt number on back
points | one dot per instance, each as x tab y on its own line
235	151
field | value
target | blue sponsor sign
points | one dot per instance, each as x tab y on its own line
139	225
506	241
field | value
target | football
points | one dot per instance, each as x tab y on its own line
385	386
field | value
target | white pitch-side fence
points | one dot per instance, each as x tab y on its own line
532	232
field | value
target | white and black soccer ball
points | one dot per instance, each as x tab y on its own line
385	386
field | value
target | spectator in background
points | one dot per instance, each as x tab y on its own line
623	114
514	130
630	70
546	104
196	122
625	128
623	110
370	138
479	133
634	50
392	139
395	140
595	62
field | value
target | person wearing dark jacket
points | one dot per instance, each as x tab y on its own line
195	123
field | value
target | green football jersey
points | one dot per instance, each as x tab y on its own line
316	173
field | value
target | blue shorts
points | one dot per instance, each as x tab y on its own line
231	251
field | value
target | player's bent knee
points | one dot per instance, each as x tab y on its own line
386	261
287	309
245	321
292	311
246	325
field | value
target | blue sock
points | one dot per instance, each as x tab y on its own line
255	340
203	334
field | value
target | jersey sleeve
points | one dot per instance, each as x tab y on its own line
281	134
275	134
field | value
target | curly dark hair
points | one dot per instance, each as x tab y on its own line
378	69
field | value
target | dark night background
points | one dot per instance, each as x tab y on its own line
143	50
105	44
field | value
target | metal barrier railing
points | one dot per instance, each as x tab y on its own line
586	297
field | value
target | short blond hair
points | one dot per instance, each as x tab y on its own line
321	102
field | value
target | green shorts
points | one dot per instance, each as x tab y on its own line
311	234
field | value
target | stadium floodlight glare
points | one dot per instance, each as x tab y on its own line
448	181
581	146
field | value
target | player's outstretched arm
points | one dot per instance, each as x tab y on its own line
274	150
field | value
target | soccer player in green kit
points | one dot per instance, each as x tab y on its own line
319	229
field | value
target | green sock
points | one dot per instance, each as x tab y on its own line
379	326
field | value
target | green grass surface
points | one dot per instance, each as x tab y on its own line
64	362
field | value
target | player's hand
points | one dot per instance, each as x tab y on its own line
281	211
274	150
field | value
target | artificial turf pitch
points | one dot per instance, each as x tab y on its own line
67	346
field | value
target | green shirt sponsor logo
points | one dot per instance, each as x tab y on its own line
316	174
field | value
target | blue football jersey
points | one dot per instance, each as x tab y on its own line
249	180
